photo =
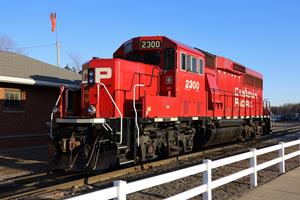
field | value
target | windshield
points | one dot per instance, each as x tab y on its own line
152	58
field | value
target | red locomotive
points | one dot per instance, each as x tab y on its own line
155	98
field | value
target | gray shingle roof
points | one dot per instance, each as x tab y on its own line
38	72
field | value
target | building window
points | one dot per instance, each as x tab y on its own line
14	100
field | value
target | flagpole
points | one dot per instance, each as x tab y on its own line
57	47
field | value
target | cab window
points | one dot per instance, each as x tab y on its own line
194	65
134	57
191	64
169	57
188	63
152	58
183	61
201	66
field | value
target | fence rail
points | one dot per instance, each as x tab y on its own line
122	188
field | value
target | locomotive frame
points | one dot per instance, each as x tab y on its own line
156	98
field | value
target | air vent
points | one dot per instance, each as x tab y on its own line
210	59
198	107
239	68
186	107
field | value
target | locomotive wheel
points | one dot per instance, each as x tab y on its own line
243	136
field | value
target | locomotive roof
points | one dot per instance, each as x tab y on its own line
185	46
20	69
178	44
198	51
247	70
254	73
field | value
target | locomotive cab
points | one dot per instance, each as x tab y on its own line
181	74
159	51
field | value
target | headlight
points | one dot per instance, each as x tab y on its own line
91	80
55	109
91	110
91	76
91	72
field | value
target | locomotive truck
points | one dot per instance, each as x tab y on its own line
155	98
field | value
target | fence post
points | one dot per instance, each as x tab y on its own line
281	155
207	180
253	164
121	195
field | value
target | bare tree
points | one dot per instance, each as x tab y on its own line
76	61
288	111
8	44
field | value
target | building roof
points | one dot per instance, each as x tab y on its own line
20	69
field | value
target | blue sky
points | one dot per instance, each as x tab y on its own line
261	34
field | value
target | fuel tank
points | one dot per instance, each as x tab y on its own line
223	132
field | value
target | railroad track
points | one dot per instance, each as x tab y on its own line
30	183
39	185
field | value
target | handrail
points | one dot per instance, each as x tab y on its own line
132	80
121	115
135	112
82	99
52	113
66	101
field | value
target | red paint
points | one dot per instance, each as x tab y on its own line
218	92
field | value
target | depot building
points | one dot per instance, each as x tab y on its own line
29	89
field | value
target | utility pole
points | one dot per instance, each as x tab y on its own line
57	53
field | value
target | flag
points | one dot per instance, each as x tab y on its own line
53	21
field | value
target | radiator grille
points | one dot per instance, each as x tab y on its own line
198	106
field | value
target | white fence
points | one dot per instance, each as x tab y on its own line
122	188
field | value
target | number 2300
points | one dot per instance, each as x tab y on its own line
149	44
189	84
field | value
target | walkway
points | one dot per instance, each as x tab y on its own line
285	187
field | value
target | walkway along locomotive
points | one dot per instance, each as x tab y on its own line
155	98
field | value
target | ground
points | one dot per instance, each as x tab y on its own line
22	162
